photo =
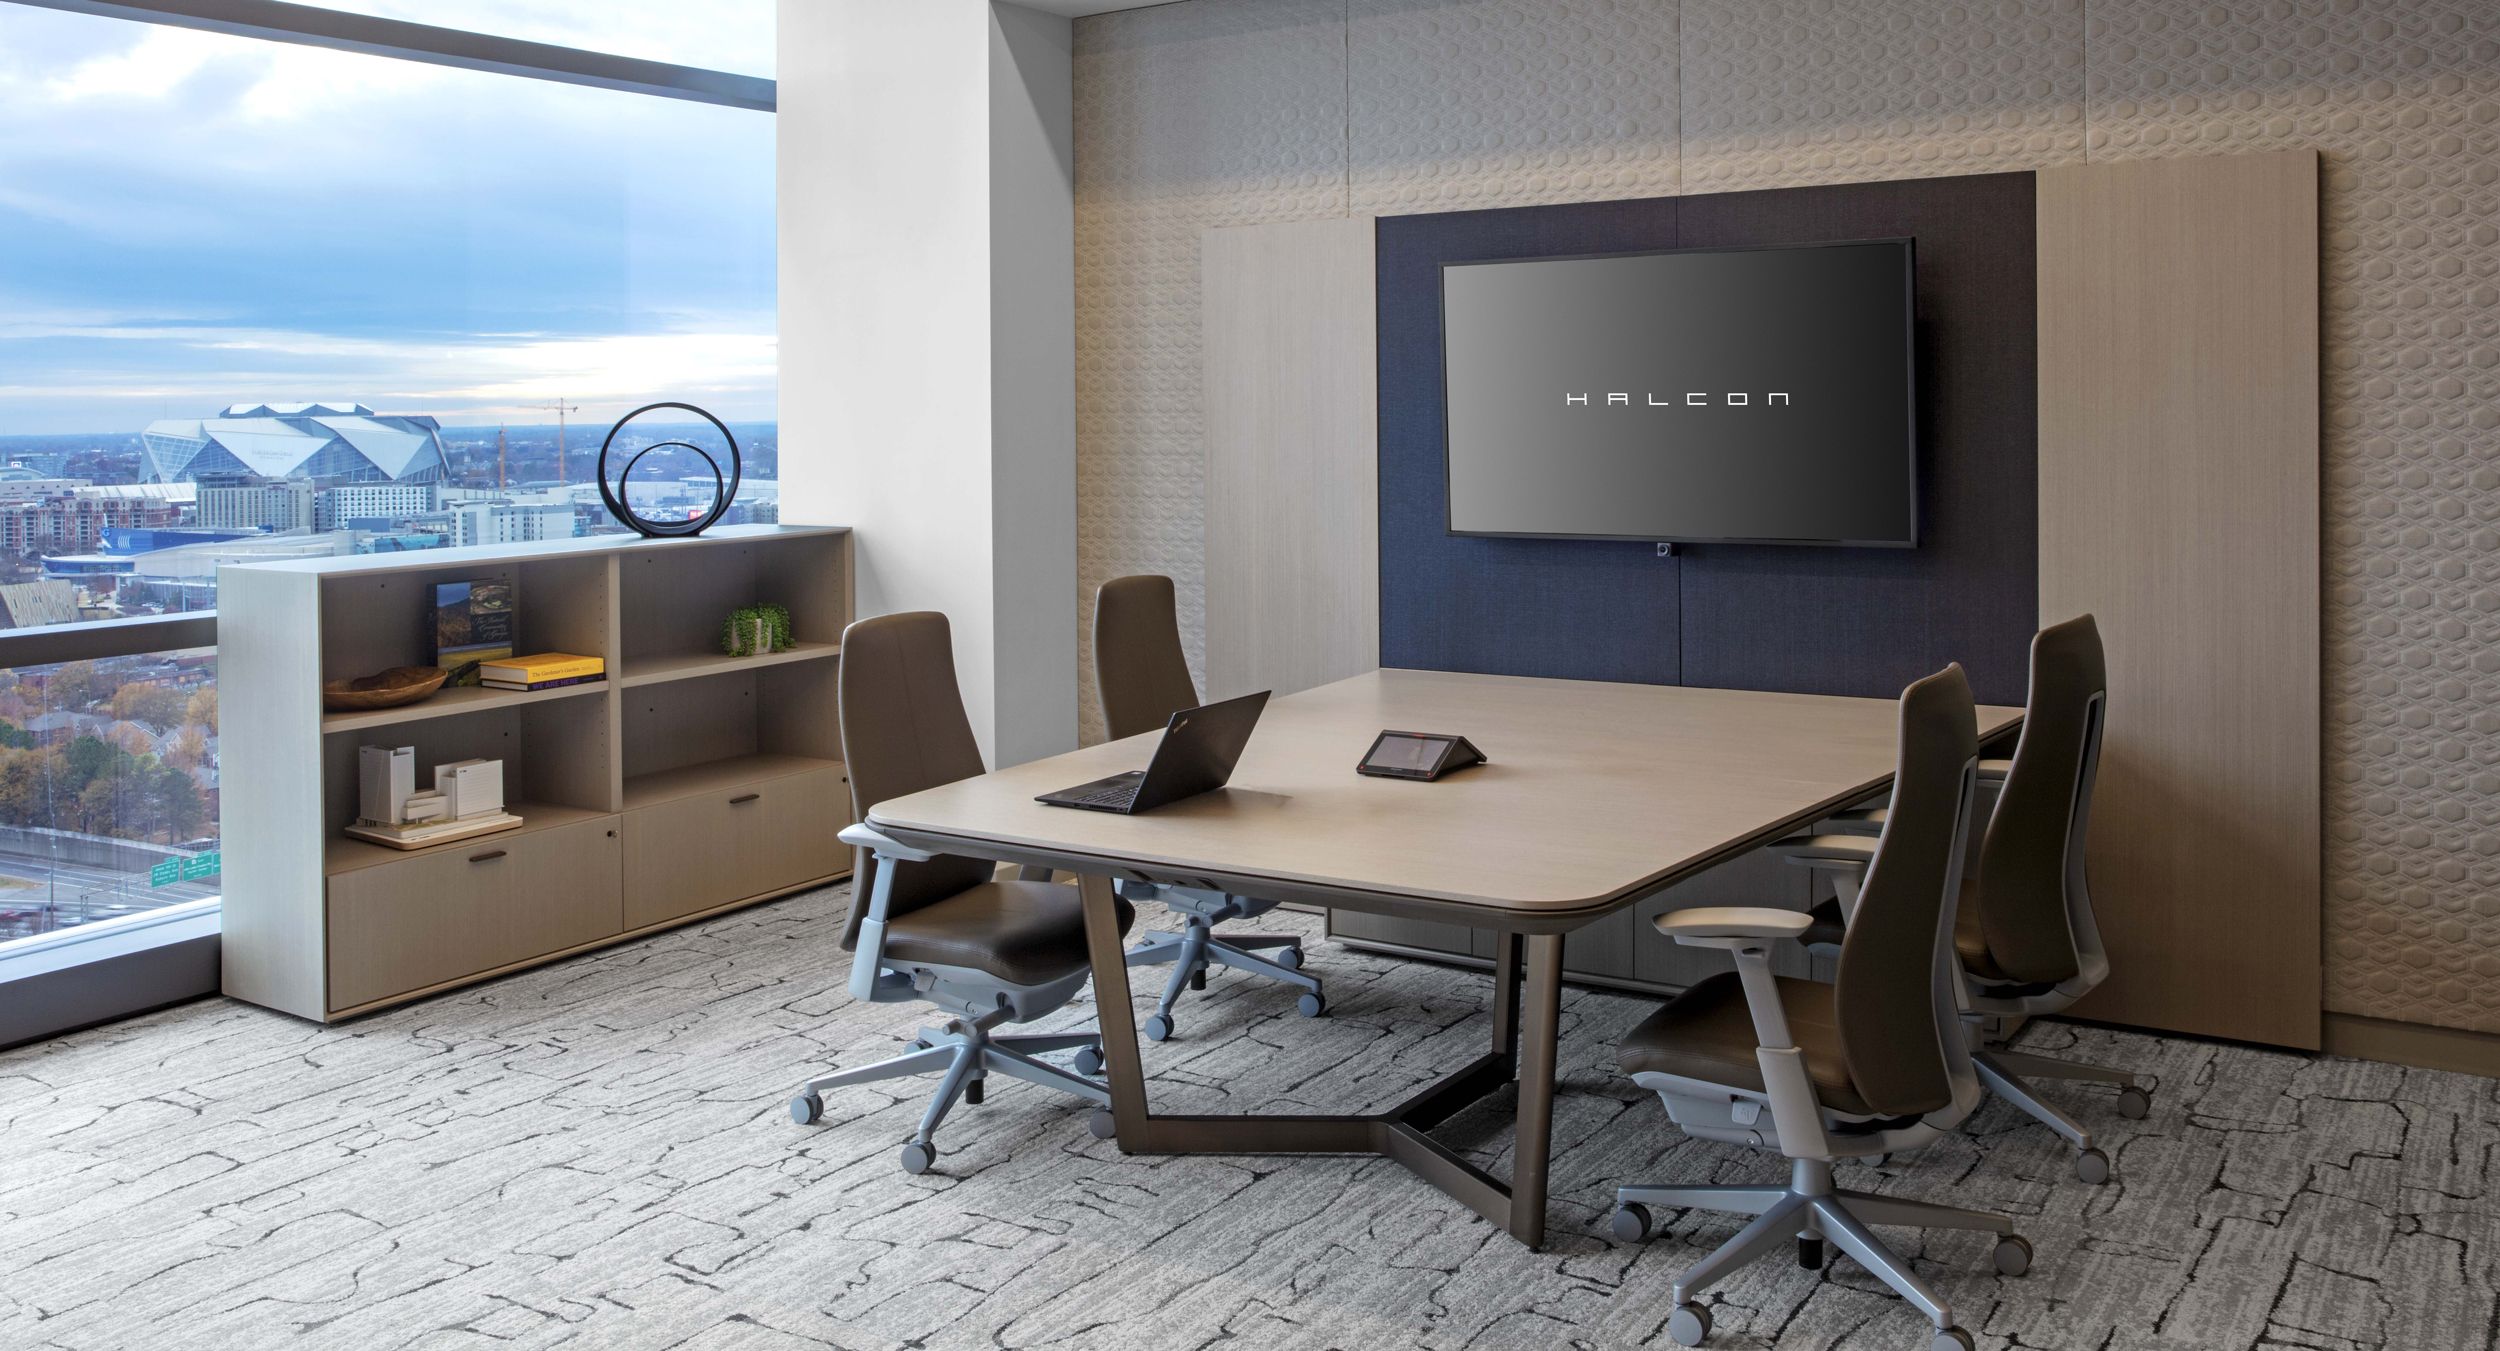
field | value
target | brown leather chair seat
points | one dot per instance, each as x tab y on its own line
1706	1033
1968	940
1024	933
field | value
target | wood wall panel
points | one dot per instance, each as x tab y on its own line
2179	474
1292	443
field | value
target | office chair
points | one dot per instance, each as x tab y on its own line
939	928
1143	679
1873	1063
2027	938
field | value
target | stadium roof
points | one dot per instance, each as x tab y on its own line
337	442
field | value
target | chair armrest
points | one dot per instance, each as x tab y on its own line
865	836
1829	852
1855	821
1731	926
1994	771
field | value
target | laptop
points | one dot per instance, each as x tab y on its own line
1200	746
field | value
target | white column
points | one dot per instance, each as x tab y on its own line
928	386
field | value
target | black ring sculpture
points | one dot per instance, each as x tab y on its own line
724	490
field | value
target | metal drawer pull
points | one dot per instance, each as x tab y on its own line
489	856
744	798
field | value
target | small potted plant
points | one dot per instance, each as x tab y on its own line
756	630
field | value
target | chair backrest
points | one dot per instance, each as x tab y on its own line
2033	906
1895	995
903	730
1139	669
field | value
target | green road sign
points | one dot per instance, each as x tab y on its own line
203	865
165	873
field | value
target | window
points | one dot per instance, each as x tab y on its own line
269	299
108	789
268	296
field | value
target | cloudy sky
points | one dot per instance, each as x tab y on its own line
189	220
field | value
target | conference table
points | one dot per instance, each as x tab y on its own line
1594	796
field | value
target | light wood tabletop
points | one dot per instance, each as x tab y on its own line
1595	794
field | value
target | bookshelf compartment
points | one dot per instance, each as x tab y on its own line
673	600
554	753
371	621
475	906
732	839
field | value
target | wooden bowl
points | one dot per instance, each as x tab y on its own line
386	689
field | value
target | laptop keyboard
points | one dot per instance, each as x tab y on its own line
1110	795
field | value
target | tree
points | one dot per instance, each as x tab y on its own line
15	737
202	711
77	685
174	804
187	748
148	702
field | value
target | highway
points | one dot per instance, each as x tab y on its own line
75	893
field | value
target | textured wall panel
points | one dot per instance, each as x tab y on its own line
2403	99
1786	92
1456	104
1217	112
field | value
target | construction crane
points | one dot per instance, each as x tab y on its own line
561	408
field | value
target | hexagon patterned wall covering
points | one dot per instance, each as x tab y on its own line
1230	111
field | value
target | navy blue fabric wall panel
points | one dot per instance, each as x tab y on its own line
1819	620
1869	621
1582	609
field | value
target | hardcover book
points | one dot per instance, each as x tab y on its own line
540	668
472	625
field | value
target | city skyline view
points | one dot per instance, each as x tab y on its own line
198	220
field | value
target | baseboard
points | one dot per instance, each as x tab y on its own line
2423	1047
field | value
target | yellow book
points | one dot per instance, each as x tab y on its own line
541	666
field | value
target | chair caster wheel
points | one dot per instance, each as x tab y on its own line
1158	1027
1631	1222
1689	1324
917	1157
2092	1166
1311	1005
1198	979
1089	1061
1289	958
972	1093
807	1109
1104	1125
1952	1339
1810	1254
2013	1255
2134	1103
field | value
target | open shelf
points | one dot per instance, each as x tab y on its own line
643	790
347	854
451	702
688	666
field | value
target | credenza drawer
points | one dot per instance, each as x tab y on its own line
693	853
474	906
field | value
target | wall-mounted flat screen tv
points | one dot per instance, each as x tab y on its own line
1754	395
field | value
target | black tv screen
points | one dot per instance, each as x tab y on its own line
1760	395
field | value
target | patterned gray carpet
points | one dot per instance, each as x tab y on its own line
595	1155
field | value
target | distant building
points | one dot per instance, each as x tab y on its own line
23	485
474	523
30	605
336	505
326	442
76	524
272	504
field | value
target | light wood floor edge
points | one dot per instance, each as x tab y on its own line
2414	1044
